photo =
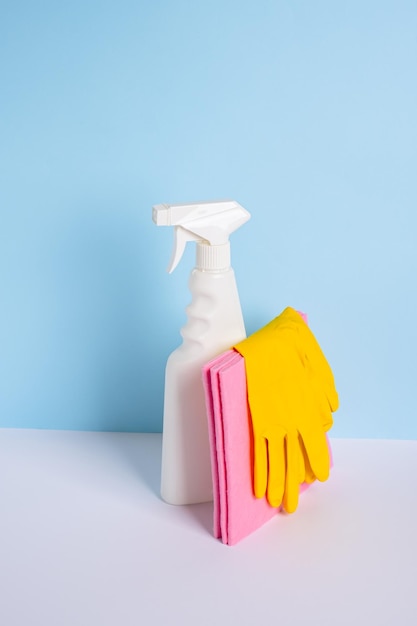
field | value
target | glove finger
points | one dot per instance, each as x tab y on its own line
292	483
302	470
309	476
317	450
260	466
276	477
308	473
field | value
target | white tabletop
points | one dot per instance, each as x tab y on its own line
86	541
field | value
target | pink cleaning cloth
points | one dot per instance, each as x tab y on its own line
214	412
236	512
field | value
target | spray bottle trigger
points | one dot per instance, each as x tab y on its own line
181	237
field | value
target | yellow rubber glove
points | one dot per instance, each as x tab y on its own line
291	396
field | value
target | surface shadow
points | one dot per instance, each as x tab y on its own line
141	454
202	514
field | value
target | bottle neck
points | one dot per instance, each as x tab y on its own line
213	258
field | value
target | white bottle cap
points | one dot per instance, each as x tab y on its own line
213	258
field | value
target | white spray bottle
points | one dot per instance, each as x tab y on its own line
214	324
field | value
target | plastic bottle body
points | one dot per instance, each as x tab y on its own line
214	324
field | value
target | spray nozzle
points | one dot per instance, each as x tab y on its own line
208	223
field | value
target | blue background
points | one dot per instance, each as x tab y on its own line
304	112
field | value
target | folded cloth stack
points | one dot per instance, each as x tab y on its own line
269	405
